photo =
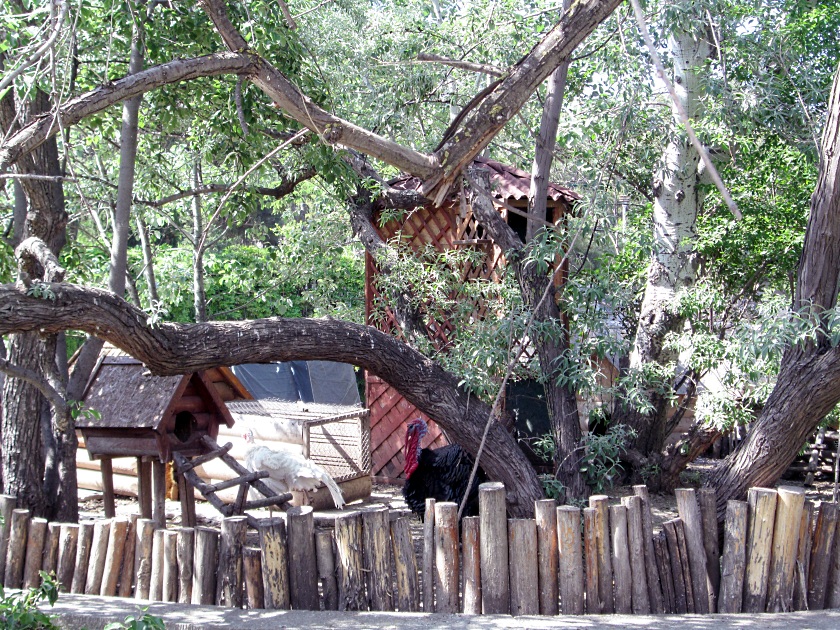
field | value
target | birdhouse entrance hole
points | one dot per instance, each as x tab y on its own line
184	425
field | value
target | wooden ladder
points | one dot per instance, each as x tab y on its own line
245	480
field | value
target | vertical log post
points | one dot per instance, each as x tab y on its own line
621	560
50	564
429	557
83	545
158	493
791	501
143	543
17	549
707	499
252	566
229	587
734	558
98	551
205	564
762	516
185	554
186	494
684	565
303	568
158	559
7	506
821	555
570	559
663	565
470	542
107	471
128	573
689	511
446	557
326	568
348	542
803	558
655	596
113	557
275	564
545	513
680	599
638	571
590	554
144	487
67	555
34	552
602	539
405	565
495	577
170	566
67	543
524	572
377	558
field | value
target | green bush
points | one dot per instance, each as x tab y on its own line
19	611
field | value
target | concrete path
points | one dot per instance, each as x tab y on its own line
83	611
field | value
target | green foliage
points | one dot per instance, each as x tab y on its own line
19	611
146	621
601	463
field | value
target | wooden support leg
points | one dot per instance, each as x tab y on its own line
108	487
187	496
144	487
159	494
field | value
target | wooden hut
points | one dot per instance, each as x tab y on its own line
131	413
450	226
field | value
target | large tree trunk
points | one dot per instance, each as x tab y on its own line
23	457
808	385
673	267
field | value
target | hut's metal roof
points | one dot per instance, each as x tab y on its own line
125	395
508	183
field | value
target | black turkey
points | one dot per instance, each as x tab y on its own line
441	474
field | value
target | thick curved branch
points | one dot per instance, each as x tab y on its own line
169	349
45	126
486	120
55	397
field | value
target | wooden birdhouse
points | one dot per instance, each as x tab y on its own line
128	412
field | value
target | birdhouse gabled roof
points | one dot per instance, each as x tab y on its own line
125	395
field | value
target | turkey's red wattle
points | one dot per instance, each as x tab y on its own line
411	444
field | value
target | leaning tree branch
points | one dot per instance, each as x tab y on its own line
70	113
483	68
55	397
331	129
168	349
485	121
34	252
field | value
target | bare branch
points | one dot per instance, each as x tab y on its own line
287	15
461	65
43	127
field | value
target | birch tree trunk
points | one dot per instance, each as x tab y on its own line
673	266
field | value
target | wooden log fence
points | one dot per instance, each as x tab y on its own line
779	554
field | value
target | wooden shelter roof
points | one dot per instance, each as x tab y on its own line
508	182
126	396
